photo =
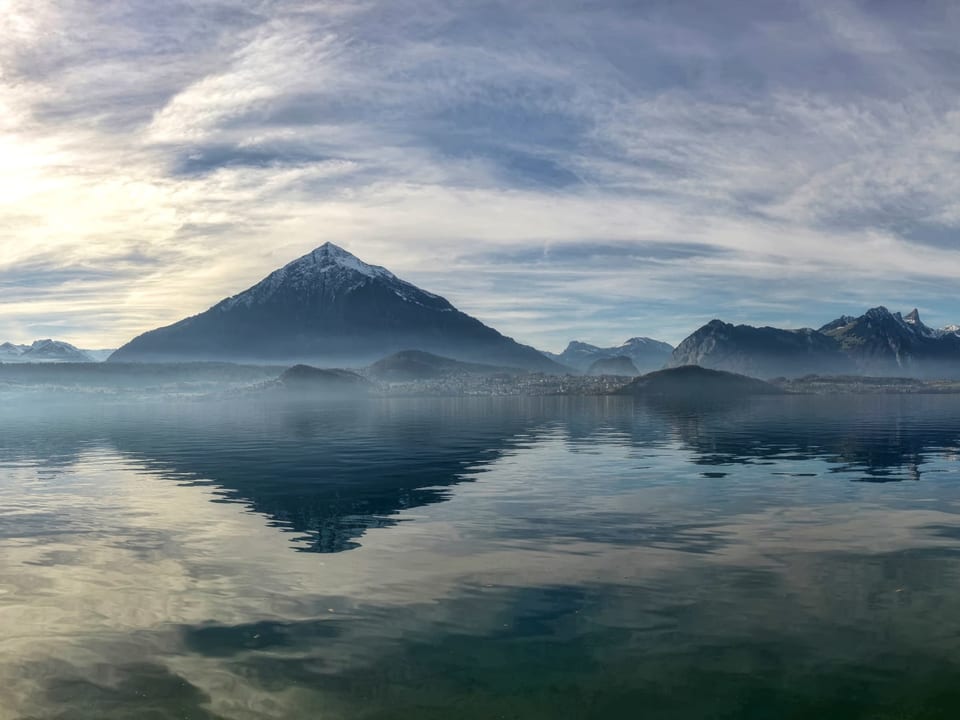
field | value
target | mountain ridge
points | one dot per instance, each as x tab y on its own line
45	350
645	353
879	342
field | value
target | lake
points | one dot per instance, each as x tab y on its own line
782	557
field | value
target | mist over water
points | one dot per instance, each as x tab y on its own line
480	558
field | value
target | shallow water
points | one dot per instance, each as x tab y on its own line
486	558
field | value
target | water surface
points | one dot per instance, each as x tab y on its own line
480	558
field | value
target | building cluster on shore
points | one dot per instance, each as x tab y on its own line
532	384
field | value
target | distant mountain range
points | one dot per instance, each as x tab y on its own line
646	354
330	308
48	351
879	343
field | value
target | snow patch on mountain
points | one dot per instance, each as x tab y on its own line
912	319
10	352
329	269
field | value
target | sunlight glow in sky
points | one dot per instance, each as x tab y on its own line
560	170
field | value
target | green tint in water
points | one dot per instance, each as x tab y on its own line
783	558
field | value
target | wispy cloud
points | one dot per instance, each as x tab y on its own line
562	171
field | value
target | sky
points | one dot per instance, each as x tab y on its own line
588	170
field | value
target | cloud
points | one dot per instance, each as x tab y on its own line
774	162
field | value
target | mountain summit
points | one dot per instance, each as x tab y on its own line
329	270
330	308
886	343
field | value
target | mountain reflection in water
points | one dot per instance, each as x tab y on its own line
482	557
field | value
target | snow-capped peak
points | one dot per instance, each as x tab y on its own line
913	320
46	350
335	271
48	343
330	255
640	341
10	348
580	346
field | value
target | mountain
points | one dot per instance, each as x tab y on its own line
310	380
645	353
410	365
330	308
690	382
877	343
11	353
620	365
885	343
54	351
42	351
763	352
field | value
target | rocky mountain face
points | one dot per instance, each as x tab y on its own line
878	342
330	308
43	351
645	353
620	365
762	352
883	343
